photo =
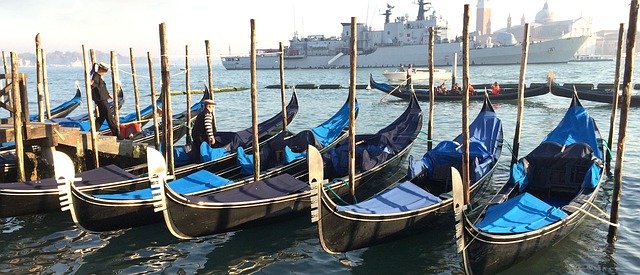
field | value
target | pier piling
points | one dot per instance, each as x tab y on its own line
520	114
616	87
353	52
156	130
39	79
254	105
282	87
134	78
87	87
465	105
115	86
624	115
188	91
166	92
432	97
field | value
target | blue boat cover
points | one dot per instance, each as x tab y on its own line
330	130
521	214
290	156
245	161
198	181
403	197
274	187
180	156
576	126
294	147
485	136
59	108
208	153
375	149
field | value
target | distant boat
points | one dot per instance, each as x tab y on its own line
77	63
418	75
402	41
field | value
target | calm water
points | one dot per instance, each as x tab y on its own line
52	244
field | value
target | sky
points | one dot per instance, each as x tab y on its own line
117	25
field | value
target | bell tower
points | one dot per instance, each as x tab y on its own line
483	17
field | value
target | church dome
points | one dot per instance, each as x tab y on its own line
545	15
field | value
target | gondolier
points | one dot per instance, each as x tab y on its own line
100	95
204	129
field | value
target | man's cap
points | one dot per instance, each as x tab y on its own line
103	66
209	102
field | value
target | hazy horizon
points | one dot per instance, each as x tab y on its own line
117	25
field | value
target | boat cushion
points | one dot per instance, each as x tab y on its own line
290	156
196	182
105	174
245	162
181	156
520	214
270	188
403	197
208	153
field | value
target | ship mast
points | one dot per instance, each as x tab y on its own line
421	10
387	13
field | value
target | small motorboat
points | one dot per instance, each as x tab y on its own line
418	75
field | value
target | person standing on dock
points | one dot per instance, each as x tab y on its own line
203	130
100	96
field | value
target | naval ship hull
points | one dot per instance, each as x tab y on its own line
552	51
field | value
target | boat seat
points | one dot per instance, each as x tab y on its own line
561	174
403	197
270	188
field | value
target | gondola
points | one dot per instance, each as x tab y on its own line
546	197
98	211
287	195
145	114
74	121
59	111
417	202
34	197
603	93
506	93
63	109
8	159
179	123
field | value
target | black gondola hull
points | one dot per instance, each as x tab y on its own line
491	253
595	95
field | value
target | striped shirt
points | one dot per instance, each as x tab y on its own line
208	125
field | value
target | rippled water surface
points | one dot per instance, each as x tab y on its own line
52	244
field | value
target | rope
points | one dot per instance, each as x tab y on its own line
605	144
139	75
592	215
327	187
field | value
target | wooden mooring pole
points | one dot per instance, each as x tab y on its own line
156	130
39	79
92	52
353	52
188	91
624	115
17	116
520	114
432	97
6	68
614	103
282	88
87	87
45	82
254	105
134	78
166	92
465	105
115	86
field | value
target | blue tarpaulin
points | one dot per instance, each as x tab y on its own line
523	213
198	181
403	197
